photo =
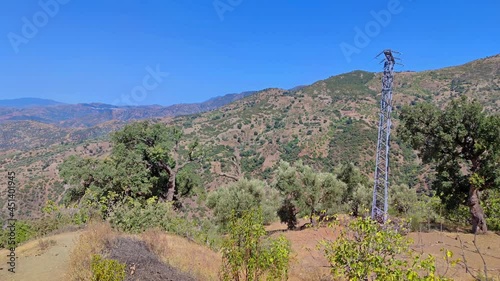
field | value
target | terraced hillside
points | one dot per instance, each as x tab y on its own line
329	122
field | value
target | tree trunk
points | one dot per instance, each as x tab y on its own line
478	218
171	187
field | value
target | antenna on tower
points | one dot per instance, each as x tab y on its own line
381	187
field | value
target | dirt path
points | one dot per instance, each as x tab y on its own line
33	263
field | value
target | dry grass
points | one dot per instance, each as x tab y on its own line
97	236
197	260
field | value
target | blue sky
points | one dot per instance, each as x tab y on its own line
105	51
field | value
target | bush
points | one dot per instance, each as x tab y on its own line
246	255
366	251
24	232
241	196
91	242
107	269
135	217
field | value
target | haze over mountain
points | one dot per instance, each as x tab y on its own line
91	114
28	102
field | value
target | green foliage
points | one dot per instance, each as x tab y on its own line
359	192
144	158
463	145
402	199
188	181
133	216
290	151
24	231
307	193
418	208
365	251
492	209
350	141
461	142
247	255
107	269
241	196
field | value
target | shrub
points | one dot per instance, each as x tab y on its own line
92	241
107	269
247	256
135	217
366	251
24	231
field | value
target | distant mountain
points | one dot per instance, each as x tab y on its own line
86	115
27	102
297	88
331	121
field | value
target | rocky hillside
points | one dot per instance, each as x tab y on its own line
326	123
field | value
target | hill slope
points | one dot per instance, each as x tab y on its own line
326	123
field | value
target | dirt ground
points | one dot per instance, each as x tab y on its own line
142	264
310	264
35	263
462	246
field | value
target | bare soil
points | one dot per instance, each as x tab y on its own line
46	263
310	264
142	264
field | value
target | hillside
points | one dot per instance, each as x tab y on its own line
326	123
86	115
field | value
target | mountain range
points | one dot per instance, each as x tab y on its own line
326	123
86	115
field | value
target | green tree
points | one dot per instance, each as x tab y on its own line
145	161
159	147
241	196
463	144
307	193
359	192
402	198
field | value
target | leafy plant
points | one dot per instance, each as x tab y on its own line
246	255
366	251
107	269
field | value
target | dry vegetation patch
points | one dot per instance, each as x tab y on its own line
197	260
97	237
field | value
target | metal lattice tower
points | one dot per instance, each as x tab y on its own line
380	190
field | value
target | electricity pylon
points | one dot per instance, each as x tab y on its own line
381	187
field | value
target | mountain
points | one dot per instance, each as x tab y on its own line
328	122
87	115
28	102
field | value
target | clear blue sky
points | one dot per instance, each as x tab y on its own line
98	51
